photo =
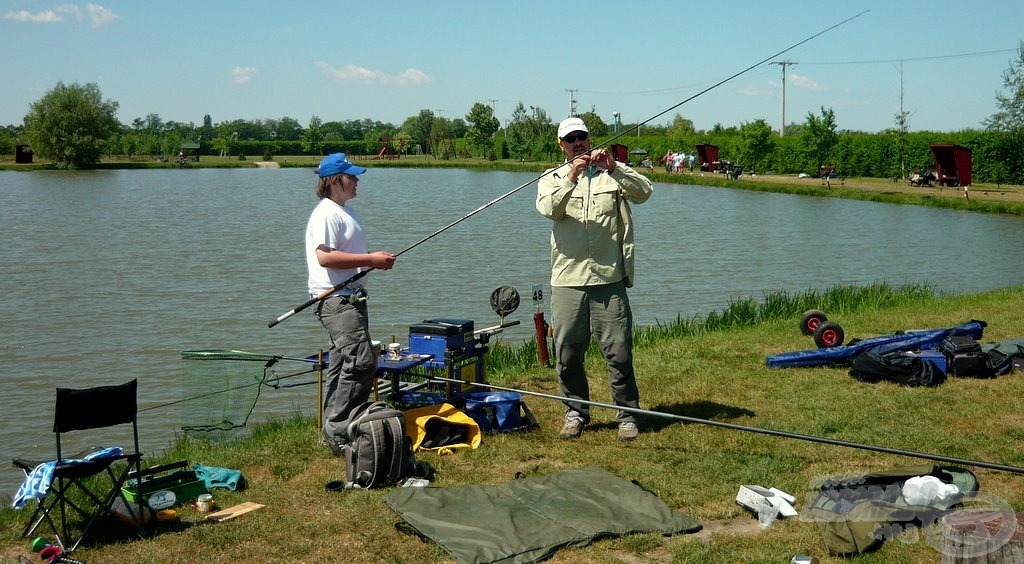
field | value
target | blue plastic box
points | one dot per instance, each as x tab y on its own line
435	336
937	359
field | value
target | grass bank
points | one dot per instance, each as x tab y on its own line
710	369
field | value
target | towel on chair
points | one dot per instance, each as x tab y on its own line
37	482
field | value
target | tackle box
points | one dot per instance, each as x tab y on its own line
163	486
435	336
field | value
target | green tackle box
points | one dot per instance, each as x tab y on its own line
164	486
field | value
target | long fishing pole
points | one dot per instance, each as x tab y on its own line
744	71
736	427
326	294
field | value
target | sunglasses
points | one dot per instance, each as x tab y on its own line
578	136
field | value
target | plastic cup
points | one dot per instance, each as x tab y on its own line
766	513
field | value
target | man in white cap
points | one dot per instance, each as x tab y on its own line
591	267
337	250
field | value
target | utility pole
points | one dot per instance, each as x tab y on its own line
572	102
493	110
783	64
903	129
616	116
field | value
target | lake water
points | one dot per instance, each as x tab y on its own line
109	275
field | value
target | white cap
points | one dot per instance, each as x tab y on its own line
569	125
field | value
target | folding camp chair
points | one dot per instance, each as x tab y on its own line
70	478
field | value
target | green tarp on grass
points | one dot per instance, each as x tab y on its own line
529	519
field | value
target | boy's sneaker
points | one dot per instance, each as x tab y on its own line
628	431
573	426
336	447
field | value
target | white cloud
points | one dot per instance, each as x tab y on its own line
49	16
98	15
767	89
801	81
243	75
355	73
71	10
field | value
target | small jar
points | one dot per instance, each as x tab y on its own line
205	503
394	351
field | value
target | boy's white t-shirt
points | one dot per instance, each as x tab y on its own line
337	227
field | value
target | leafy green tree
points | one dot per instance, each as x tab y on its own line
1008	123
531	135
222	145
516	138
681	128
401	142
70	125
313	137
8	139
900	133
284	129
595	124
1010	116
820	137
482	126
419	128
757	144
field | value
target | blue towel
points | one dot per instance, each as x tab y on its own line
37	483
220	477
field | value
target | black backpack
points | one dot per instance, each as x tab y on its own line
378	452
906	369
966	359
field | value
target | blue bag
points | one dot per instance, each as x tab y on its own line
495	412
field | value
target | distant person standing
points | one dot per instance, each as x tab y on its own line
591	266
337	250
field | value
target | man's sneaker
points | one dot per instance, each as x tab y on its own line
628	431
573	426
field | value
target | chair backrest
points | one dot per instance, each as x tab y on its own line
93	408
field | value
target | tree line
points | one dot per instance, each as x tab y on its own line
72	126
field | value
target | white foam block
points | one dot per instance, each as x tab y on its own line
751	496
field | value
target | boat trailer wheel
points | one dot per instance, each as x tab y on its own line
829	334
810	321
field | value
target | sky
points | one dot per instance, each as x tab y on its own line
940	61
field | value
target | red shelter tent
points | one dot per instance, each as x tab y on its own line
707	156
620	153
952	164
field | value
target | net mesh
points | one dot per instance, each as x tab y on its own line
220	388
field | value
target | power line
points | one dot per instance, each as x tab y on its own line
915	59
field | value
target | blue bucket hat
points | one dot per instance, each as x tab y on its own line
337	163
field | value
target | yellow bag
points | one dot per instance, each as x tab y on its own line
441	428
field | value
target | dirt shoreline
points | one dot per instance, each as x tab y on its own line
985	191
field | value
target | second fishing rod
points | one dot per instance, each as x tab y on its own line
324	295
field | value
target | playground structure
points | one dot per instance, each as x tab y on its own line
952	164
385	150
